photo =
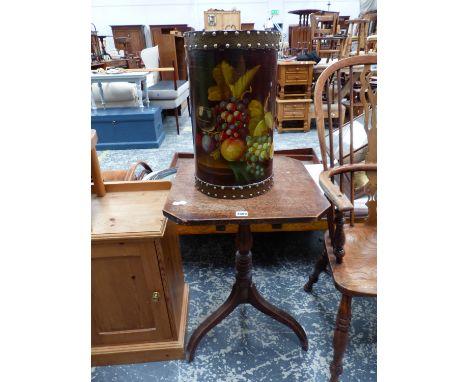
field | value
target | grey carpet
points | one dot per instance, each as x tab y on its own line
249	346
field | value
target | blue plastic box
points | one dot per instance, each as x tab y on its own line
128	128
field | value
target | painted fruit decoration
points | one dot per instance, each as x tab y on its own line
241	127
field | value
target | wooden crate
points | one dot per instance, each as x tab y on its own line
139	300
222	20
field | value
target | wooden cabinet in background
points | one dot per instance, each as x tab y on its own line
295	79
136	38
294	95
295	112
139	300
171	48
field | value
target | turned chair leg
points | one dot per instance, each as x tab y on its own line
320	266
340	338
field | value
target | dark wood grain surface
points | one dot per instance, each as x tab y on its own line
294	197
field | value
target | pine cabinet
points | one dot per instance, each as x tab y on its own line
139	300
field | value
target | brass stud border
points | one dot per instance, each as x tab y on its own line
264	40
233	192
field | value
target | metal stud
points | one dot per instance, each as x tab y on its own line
258	44
195	46
248	32
236	32
233	189
258	32
224	196
227	45
238	45
204	33
214	33
233	196
266	45
208	193
214	187
215	45
185	46
190	46
216	195
251	195
249	45
225	33
222	187
205	46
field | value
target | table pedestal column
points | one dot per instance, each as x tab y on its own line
244	292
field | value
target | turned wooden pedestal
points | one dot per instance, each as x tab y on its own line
294	197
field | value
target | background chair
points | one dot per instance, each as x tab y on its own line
150	58
356	41
167	94
325	25
350	249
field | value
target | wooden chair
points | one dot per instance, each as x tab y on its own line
372	17
356	41
325	25
349	249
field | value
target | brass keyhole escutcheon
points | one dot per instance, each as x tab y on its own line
156	297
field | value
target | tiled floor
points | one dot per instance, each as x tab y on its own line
249	346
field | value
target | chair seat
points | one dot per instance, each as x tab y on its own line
165	90
170	103
357	274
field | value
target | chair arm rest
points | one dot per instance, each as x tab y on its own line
331	190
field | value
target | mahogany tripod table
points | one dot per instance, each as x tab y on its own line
293	198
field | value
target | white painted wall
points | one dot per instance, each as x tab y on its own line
148	12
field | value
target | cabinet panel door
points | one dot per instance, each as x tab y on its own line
124	278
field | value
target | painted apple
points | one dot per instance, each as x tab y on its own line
232	149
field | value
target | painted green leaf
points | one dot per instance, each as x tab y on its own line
243	82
